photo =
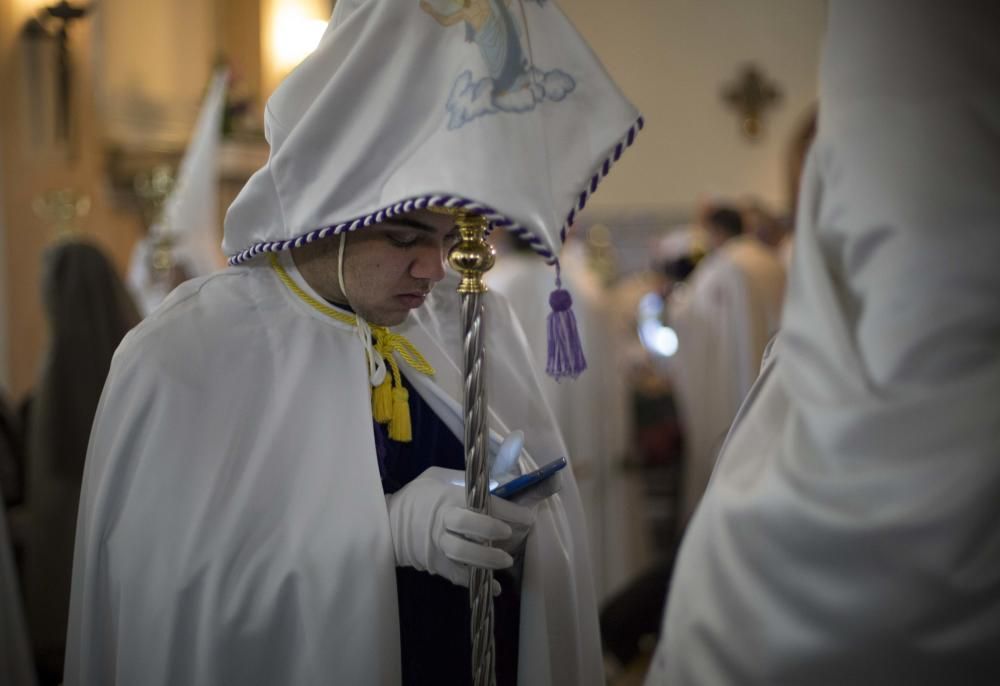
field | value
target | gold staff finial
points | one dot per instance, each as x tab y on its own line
472	256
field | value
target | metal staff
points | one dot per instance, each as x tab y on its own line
472	257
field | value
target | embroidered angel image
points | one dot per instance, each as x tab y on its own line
489	24
513	84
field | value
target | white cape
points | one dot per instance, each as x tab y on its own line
849	534
233	528
591	410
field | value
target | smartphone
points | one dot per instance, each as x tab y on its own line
522	484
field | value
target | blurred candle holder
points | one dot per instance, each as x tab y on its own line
152	188
62	209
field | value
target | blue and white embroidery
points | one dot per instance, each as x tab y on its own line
514	84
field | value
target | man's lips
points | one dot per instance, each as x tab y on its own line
413	298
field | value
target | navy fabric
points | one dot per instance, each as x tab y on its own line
434	615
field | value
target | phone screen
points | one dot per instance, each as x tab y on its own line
523	483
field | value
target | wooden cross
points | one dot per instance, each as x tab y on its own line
750	95
62	14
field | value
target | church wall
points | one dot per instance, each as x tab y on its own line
33	163
155	59
673	58
238	35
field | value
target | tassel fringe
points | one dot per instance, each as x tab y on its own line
382	401
565	356
399	426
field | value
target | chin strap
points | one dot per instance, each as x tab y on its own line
390	399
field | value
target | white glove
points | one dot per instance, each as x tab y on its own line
433	531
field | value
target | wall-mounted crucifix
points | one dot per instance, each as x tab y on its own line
750	95
52	23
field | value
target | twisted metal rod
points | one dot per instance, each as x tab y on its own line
472	257
477	484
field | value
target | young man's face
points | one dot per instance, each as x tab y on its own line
389	268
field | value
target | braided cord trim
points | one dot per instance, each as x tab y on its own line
495	218
387	341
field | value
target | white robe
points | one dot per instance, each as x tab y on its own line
849	534
232	524
591	410
723	320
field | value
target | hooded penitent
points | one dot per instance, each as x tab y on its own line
493	105
849	532
233	525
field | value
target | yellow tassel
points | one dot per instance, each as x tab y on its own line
399	428
382	401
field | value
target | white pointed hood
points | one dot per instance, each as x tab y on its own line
191	212
190	218
499	106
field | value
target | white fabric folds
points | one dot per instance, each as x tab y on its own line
233	528
499	105
849	533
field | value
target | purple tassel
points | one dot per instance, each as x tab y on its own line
565	352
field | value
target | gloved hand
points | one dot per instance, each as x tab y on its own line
432	530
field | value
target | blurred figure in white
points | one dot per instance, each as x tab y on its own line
849	534
591	411
724	317
631	617
185	242
640	300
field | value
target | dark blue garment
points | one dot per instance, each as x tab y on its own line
434	616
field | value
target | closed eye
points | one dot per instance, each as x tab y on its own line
403	239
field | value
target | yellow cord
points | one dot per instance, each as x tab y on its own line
396	414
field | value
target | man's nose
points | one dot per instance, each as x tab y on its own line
428	264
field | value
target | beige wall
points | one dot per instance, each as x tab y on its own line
31	167
239	37
672	58
154	59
